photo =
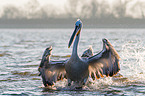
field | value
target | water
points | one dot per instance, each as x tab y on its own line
21	51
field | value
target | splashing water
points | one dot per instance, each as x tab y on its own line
133	56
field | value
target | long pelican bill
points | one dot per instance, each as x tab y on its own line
76	32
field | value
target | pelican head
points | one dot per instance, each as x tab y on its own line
77	30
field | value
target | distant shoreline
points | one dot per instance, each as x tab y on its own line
69	23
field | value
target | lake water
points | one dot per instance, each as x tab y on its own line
21	51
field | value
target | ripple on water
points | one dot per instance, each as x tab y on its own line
4	54
24	73
21	51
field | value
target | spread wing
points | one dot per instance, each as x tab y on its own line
104	63
52	72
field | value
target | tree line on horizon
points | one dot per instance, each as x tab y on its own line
75	9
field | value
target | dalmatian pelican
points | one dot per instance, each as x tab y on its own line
45	61
77	69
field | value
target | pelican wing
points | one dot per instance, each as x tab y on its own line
104	63
88	53
52	72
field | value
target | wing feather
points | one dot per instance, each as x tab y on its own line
51	73
104	63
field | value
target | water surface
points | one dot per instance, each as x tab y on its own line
21	51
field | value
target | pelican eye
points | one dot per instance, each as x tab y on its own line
105	40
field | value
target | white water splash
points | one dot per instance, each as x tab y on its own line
133	60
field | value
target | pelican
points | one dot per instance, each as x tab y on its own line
45	61
78	70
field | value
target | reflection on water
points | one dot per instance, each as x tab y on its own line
21	51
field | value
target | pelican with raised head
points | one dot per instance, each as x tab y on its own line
78	70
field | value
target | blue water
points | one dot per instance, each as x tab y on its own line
21	51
